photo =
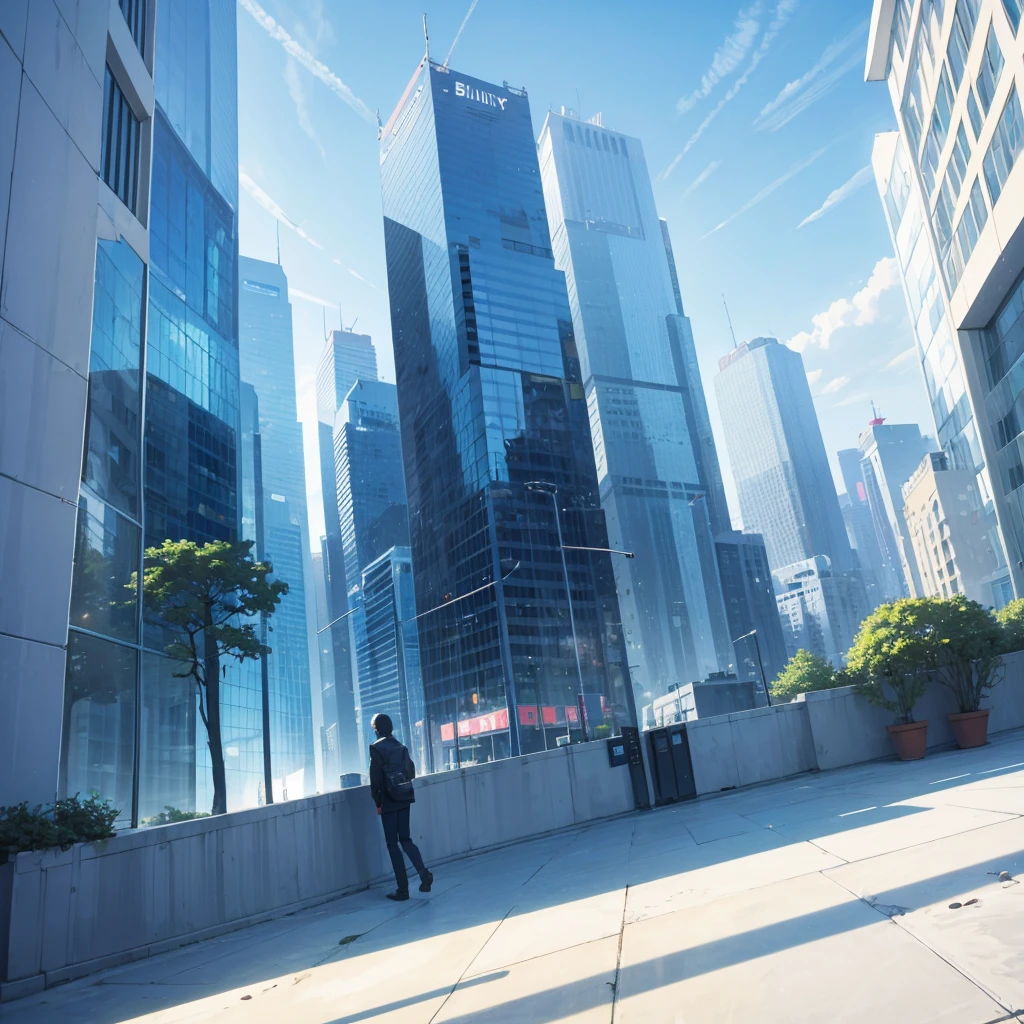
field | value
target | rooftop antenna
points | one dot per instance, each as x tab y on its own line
426	40
352	328
472	8
579	105
876	420
380	123
326	335
278	223
729	318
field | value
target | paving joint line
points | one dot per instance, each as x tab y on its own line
618	956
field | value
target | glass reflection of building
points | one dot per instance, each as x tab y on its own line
162	425
346	357
372	507
491	398
389	650
950	186
645	399
267	362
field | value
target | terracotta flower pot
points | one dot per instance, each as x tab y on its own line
909	739
970	729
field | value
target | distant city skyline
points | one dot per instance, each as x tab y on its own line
766	182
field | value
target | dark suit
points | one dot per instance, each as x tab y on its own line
394	815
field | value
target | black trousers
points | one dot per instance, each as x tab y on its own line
396	835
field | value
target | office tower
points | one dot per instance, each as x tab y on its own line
950	188
821	610
890	453
72	224
345	357
946	523
785	486
329	749
372	507
389	650
883	581
267	362
643	389
491	400
750	606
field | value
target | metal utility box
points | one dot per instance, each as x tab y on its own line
617	752
635	759
670	763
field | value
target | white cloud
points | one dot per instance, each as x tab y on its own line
315	67
858	311
701	178
796	96
298	95
835	384
862	396
783	12
359	277
727	57
768	190
837	195
901	358
296	293
272	207
813	376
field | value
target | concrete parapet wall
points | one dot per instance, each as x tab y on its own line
65	914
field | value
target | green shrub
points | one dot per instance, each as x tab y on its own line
62	824
170	815
804	672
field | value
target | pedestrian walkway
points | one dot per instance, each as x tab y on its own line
866	894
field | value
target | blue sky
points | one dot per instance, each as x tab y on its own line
757	126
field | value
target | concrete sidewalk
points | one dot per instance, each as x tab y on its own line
868	893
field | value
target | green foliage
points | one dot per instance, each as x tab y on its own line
803	673
602	732
210	598
967	643
890	656
1011	621
63	823
170	815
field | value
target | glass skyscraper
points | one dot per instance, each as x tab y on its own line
659	486
346	356
267	362
163	431
491	399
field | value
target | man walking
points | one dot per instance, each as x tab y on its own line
391	774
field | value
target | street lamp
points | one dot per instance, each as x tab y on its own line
760	664
543	487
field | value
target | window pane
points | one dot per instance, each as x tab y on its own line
1013	12
98	740
167	745
120	142
988	74
106	556
111	464
974	112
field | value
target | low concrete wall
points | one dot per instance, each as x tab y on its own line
829	729
65	914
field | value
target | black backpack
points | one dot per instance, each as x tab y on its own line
398	777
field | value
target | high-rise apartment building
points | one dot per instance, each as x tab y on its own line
149	159
346	357
496	440
389	650
946	524
750	606
267	362
821	610
890	453
372	507
660	486
950	182
782	475
883	580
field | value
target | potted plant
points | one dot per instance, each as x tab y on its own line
887	662
968	645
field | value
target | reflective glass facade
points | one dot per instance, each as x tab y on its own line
491	398
267	362
161	454
346	357
659	488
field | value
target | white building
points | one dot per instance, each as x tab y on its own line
953	194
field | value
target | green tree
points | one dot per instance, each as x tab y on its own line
203	595
1011	620
967	644
803	673
891	654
